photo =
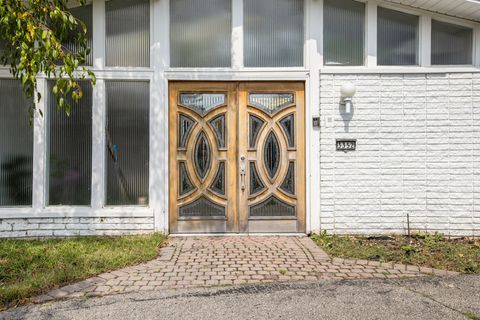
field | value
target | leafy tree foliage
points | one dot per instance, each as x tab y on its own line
33	35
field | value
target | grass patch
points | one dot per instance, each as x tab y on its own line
30	267
427	250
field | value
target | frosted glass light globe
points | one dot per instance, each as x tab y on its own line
348	90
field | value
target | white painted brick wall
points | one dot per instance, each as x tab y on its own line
418	152
65	227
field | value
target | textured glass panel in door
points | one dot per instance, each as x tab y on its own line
218	125
451	44
127	24
271	154
202	155
397	39
256	184
219	182
343	32
254	128
185	184
288	126
70	150
288	184
272	207
83	13
128	142
271	102
200	33
273	33
16	146
184	128
202	103
202	208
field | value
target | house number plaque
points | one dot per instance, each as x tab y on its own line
346	145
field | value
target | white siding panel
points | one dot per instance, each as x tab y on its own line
415	154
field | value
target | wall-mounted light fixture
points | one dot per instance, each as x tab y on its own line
347	91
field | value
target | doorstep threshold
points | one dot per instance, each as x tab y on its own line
252	234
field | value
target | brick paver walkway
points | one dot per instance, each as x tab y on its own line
218	261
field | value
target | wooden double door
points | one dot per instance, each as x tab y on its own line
237	157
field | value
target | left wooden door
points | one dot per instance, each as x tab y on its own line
203	166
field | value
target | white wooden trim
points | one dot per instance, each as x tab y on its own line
394	69
39	186
425	41
159	116
99	116
237	34
205	75
371	34
83	212
314	49
98	36
476	46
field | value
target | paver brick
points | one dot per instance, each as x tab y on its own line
213	261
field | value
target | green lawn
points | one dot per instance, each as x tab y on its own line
435	251
29	267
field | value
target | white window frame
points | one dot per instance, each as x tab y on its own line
461	24
424	54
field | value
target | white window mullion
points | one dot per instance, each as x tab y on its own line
476	46
237	34
98	145
98	50
371	34
314	61
158	188
39	182
425	40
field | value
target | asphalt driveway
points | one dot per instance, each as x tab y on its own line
455	297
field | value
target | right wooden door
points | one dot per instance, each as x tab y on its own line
271	153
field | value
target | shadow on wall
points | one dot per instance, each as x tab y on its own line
17	182
347	117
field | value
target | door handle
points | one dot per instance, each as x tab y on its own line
242	172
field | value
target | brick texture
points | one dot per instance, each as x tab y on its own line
418	152
65	227
219	261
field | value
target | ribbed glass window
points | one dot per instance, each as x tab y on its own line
343	32
200	33
127	24
397	38
16	146
83	13
70	150
127	142
2	49
273	33
451	44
